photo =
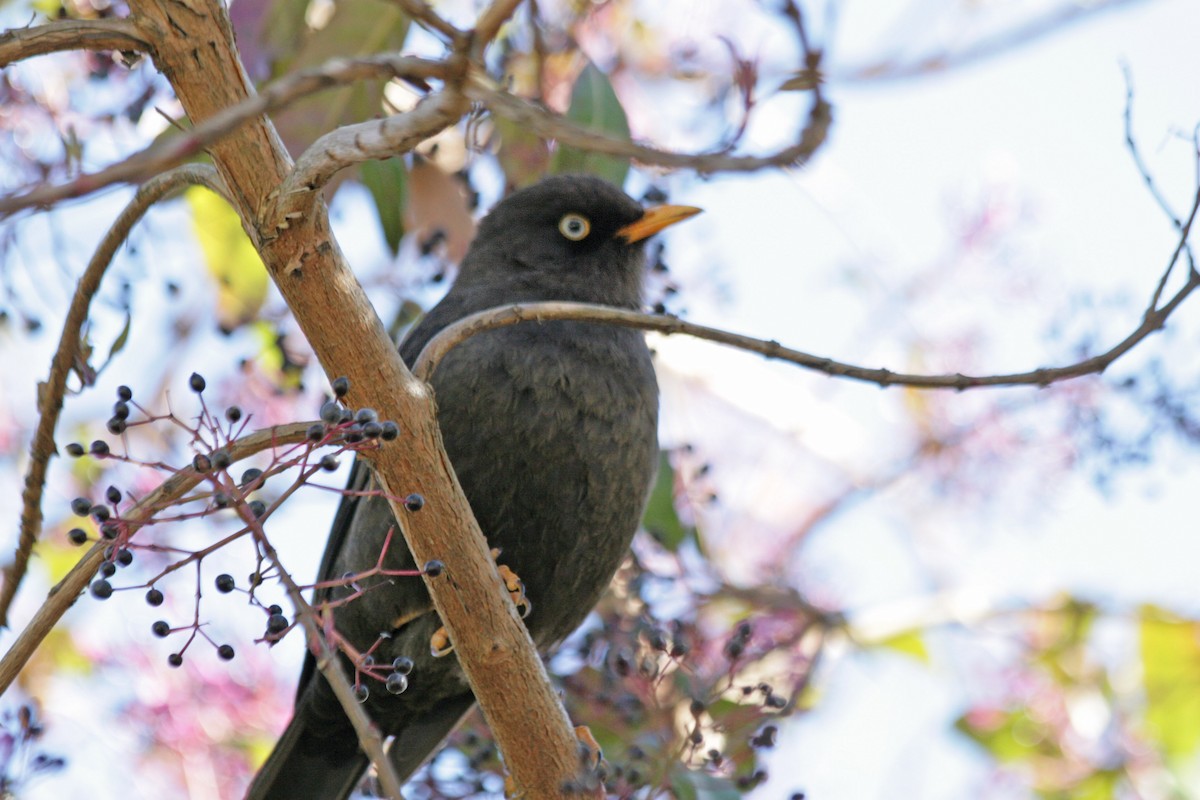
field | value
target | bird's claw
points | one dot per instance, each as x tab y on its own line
589	749
516	589
440	644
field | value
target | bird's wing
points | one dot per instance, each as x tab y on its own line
425	734
360	480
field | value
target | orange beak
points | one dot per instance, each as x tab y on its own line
654	220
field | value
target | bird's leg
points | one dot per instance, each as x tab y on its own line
439	643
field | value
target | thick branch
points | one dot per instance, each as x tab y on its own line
71	34
50	393
199	57
353	144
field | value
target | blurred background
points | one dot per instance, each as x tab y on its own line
843	591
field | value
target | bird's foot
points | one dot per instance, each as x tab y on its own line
439	643
516	590
590	754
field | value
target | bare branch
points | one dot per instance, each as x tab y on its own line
551	126
50	393
1136	154
329	665
490	22
71	34
424	15
353	144
1050	23
170	152
455	334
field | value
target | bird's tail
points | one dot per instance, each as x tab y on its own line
302	767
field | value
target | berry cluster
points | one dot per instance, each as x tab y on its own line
217	443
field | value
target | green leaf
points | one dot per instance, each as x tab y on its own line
594	105
661	520
387	182
1170	651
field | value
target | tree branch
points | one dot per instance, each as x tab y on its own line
64	594
453	335
424	15
490	22
51	393
199	56
1020	35
170	152
353	144
114	33
482	89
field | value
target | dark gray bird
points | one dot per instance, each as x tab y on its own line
551	429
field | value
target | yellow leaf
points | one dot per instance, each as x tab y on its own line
233	263
911	643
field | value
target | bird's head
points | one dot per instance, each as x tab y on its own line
579	237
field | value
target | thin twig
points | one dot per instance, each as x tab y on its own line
455	334
423	14
548	125
490	22
1136	154
115	33
1020	35
66	591
51	393
327	660
169	152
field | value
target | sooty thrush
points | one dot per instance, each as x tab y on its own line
551	429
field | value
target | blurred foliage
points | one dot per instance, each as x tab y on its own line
688	670
237	271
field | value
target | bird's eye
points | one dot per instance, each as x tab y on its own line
574	227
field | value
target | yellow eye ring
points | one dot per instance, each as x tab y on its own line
575	227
